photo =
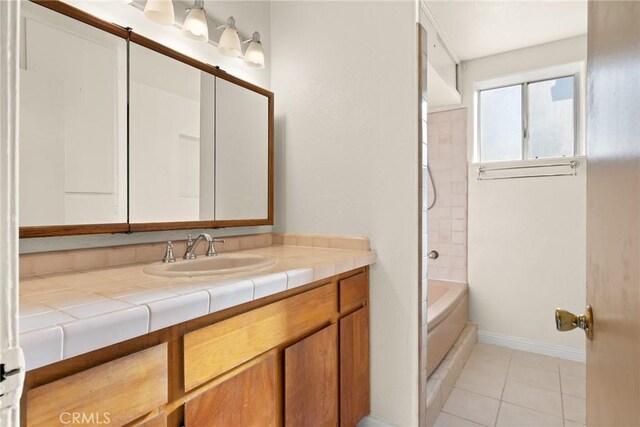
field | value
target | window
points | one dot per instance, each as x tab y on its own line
531	120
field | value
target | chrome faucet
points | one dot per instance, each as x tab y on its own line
192	244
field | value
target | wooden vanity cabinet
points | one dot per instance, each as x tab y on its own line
299	358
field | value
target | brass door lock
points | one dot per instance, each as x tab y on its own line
566	321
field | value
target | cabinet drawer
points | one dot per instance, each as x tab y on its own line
216	349
354	292
114	393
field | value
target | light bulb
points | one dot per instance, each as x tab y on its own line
229	44
160	11
254	56
195	26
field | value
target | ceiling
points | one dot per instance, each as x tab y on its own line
480	28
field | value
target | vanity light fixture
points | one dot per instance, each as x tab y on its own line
229	44
160	11
195	25
254	56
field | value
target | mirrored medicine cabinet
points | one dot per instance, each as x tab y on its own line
121	134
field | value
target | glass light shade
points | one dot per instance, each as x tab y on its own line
195	26
254	56
160	11
229	44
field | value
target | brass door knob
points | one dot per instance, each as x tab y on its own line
566	321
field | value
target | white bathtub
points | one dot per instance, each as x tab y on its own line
446	317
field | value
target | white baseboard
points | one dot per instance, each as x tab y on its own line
524	344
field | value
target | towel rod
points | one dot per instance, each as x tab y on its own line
482	169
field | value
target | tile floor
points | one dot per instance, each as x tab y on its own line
510	388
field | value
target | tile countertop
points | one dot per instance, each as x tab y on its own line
66	314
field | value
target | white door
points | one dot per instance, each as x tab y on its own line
11	360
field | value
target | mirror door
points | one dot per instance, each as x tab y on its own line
73	123
242	153
171	139
200	144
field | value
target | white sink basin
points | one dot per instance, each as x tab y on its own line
211	266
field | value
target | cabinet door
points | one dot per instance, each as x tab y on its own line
311	380
354	367
249	398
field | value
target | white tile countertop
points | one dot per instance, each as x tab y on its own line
63	315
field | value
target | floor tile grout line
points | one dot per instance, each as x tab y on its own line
504	385
461	417
477	394
534	410
525	365
473	392
561	394
535	386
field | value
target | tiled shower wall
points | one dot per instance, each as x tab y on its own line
447	220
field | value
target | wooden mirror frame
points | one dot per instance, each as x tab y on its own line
128	227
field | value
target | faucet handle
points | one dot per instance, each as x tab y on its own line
168	255
189	239
211	250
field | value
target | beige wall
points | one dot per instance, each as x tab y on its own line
347	161
527	237
527	255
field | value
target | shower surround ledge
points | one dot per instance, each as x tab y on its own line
68	313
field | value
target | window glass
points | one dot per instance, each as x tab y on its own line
551	118
501	124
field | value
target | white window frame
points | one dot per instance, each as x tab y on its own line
576	70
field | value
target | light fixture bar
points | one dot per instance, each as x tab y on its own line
181	15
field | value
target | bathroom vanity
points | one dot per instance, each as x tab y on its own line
288	345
